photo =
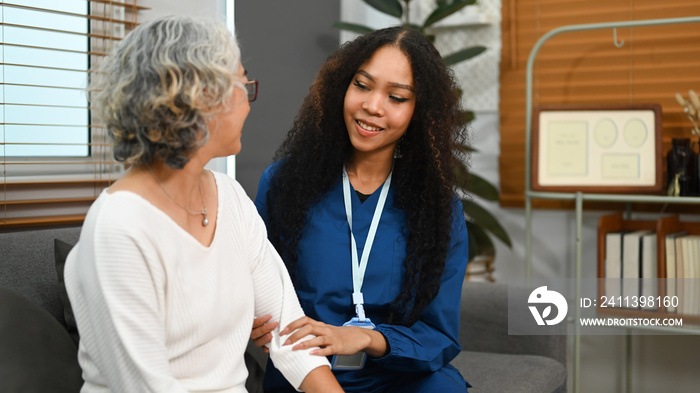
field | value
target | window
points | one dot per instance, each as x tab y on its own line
44	69
54	157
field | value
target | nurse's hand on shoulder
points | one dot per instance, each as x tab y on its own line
335	340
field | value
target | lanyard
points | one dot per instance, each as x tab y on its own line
359	267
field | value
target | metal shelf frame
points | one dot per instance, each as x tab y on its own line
579	197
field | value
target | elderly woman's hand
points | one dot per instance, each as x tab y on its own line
261	333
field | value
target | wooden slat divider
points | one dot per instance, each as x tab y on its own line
32	222
47	201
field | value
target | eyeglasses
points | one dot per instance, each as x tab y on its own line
252	88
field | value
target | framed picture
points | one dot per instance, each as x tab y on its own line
598	149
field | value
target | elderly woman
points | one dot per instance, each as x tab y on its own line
173	262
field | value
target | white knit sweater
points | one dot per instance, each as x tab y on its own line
159	312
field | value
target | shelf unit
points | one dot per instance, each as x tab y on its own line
580	197
662	226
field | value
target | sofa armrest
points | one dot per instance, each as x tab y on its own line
484	325
27	265
38	355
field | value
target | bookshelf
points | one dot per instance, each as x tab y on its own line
579	197
664	226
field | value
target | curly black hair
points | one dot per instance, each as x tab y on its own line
317	146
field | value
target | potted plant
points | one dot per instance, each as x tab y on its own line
482	225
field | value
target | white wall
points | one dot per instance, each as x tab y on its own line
202	8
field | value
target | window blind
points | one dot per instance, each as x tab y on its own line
54	155
653	64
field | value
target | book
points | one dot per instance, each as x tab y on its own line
613	264
649	269
694	307
671	265
680	273
689	256
631	263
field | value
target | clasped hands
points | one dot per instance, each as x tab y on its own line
331	340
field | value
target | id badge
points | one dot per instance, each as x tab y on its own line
356	361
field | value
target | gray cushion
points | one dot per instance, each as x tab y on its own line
27	265
255	361
61	250
36	353
484	324
498	373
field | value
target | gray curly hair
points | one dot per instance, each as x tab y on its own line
158	89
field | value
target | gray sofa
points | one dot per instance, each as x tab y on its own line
37	353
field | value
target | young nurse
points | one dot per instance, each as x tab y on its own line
361	207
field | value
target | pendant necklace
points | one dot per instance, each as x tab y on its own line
203	213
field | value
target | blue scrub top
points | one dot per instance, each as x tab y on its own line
324	286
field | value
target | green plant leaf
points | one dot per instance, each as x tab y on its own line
391	7
417	28
467	117
479	242
474	184
462	174
480	187
445	10
485	220
463	54
465	148
355	28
